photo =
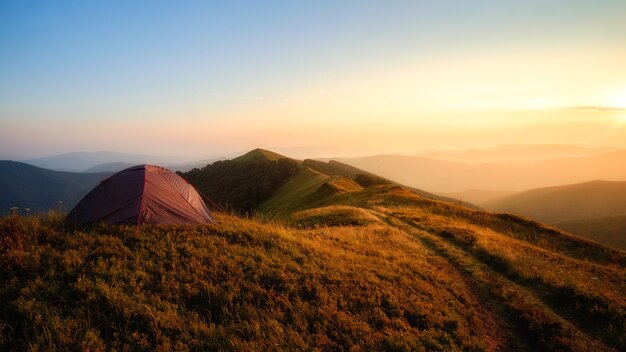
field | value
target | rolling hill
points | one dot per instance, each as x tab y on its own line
304	190
106	161
608	230
244	182
449	177
264	180
110	167
477	196
356	268
591	209
566	203
119	166
81	161
27	186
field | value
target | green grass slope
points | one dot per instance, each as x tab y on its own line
245	182
333	167
264	181
609	230
376	268
305	190
295	193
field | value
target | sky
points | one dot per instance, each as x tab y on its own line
322	78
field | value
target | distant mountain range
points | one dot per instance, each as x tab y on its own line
566	203
476	196
449	177
595	209
609	230
81	161
516	153
119	166
106	161
109	167
27	186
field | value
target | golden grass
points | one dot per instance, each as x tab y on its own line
337	215
377	268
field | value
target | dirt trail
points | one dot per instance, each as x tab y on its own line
504	334
509	334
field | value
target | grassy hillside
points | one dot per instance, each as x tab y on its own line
609	230
261	180
27	186
335	168
295	192
305	190
245	182
376	268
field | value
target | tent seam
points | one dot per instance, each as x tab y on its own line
191	205
143	192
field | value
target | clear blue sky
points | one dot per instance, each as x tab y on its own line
65	65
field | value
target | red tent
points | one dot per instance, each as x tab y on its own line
142	194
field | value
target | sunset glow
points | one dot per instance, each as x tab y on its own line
411	76
618	100
329	175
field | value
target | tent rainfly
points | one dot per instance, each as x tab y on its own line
142	194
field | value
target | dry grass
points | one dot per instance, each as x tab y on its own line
241	285
373	269
337	215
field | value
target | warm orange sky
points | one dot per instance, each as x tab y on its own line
332	79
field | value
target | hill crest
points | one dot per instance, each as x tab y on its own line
252	179
260	154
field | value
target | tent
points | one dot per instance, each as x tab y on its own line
142	194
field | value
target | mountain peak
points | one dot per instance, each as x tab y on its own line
259	153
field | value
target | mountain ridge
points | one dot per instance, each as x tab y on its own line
253	176
449	177
591	209
590	199
516	153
